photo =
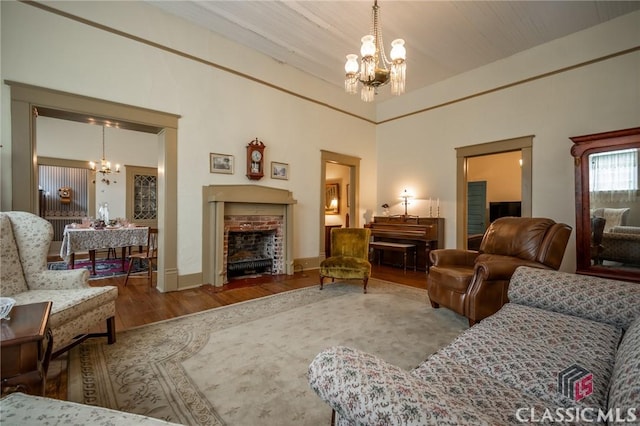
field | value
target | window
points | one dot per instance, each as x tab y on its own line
614	171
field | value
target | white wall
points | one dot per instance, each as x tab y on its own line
220	112
419	150
78	141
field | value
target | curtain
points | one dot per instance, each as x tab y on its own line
613	176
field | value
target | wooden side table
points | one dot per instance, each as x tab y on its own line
26	344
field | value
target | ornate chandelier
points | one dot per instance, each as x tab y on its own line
105	166
373	70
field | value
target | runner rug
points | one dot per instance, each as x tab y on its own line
105	268
246	364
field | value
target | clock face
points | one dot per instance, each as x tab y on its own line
256	156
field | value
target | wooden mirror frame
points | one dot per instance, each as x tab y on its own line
582	148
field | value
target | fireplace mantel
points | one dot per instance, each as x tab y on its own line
221	200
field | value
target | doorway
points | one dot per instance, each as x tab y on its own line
340	177
492	180
28	101
464	155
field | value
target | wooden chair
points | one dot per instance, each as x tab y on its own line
597	232
349	256
150	253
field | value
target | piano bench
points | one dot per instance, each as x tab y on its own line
381	246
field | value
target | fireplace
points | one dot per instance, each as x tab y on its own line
253	245
250	253
248	229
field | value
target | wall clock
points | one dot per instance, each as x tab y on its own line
255	159
65	195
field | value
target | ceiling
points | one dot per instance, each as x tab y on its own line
443	38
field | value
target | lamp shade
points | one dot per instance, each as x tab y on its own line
351	66
398	51
406	194
368	46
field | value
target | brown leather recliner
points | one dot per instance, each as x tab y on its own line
475	283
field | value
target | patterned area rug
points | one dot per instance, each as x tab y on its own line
246	364
104	268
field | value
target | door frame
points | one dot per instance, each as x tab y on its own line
524	144
27	101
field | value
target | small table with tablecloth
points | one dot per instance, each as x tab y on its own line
90	239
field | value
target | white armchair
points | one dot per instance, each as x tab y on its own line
77	307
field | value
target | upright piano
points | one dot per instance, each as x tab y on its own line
427	233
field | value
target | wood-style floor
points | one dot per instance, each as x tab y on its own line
139	304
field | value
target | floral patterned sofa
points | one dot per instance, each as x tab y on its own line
20	409
77	307
565	346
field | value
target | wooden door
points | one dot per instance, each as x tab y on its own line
476	207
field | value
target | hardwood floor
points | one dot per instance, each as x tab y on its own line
138	304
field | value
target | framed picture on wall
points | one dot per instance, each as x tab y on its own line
332	198
279	170
221	163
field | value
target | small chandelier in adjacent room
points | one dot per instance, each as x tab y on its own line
373	70
105	166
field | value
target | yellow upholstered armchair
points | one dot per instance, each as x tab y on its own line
349	256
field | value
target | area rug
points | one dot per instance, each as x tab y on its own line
246	364
105	268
